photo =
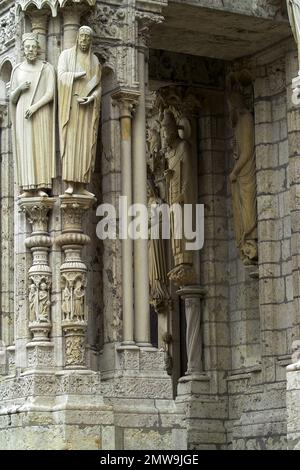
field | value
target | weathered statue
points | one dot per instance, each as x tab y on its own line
243	179
79	293
44	303
181	191
79	92
33	118
66	303
158	278
293	7
33	303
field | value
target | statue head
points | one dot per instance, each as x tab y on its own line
169	129
85	35
31	45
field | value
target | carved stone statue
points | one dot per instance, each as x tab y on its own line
79	293
39	300
181	191
79	91
243	179
158	278
293	7
44	303
33	118
66	303
33	302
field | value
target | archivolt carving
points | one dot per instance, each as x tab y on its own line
7	28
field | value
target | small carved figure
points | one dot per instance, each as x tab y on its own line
33	303
79	293
44	303
33	120
66	303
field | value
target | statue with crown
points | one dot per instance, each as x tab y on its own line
32	99
79	96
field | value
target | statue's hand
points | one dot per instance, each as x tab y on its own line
233	177
30	111
85	100
25	86
168	174
80	75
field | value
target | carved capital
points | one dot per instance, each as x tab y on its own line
126	99
73	209
183	275
39	20
37	210
53	5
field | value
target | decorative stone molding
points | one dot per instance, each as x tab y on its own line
7	29
3	112
73	278
24	5
37	210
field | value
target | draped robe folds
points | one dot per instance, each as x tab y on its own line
181	191
34	138
78	123
293	7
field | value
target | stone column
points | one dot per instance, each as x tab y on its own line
192	297
141	274
39	349
39	21
71	23
73	279
126	100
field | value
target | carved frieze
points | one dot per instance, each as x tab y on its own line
7	28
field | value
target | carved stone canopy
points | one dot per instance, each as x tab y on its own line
24	5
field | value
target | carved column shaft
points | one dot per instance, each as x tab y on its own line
141	271
39	348
126	100
192	297
39	21
71	23
73	279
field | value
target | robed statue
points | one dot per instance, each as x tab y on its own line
293	7
32	99
181	191
79	95
243	179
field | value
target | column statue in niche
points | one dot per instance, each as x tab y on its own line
181	191
33	119
158	279
79	92
293	7
243	179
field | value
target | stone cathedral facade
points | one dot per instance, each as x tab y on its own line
138	344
